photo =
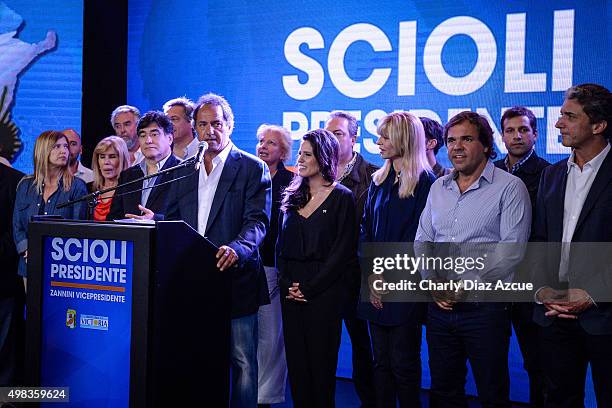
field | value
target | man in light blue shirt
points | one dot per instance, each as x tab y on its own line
476	203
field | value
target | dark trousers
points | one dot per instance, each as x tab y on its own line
397	364
566	351
527	335
480	333
312	339
363	371
12	340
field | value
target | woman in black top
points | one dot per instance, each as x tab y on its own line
395	201
317	239
274	148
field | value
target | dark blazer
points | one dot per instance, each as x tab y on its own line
158	198
280	181
593	226
239	217
388	218
530	172
358	181
9	280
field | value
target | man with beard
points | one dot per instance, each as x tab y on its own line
124	120
76	150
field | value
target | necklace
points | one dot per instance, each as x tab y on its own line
316	193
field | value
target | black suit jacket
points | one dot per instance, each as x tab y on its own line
10	282
593	226
239	217
280	181
158	198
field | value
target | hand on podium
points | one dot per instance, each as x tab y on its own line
146	214
227	257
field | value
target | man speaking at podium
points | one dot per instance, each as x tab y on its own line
228	200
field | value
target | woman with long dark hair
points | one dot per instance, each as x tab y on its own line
317	239
51	184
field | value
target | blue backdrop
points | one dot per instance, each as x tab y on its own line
47	94
290	63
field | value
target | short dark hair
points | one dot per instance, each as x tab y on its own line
433	131
596	102
516	111
485	133
183	102
161	119
352	124
325	148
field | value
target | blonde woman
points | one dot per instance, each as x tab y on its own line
396	198
51	184
110	158
274	148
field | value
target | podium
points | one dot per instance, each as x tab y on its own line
127	315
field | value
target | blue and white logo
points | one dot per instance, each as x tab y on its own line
94	322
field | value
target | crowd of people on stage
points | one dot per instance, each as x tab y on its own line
290	239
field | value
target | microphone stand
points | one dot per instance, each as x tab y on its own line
93	198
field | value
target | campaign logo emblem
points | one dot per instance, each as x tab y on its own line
94	322
71	318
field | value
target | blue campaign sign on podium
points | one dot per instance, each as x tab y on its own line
86	319
115	312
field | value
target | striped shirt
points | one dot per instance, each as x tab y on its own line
495	208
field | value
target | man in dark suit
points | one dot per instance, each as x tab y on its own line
228	200
574	205
155	135
11	286
519	133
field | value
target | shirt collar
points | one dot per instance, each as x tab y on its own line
160	164
487	174
594	163
79	169
221	157
355	163
519	163
192	146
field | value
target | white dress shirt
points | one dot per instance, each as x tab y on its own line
577	188
84	173
190	150
207	186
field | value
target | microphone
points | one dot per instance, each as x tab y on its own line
199	156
